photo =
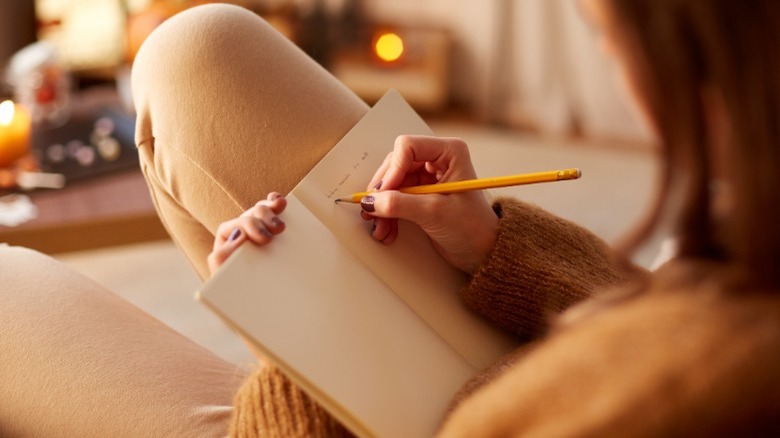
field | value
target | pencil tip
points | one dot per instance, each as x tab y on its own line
337	200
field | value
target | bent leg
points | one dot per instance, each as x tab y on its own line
76	360
229	110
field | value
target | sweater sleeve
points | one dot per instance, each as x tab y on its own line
269	405
539	266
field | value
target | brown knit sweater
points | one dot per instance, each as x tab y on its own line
668	354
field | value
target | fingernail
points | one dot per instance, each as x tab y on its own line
378	186
265	232
235	234
373	228
276	222
367	204
276	196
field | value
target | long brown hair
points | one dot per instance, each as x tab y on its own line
677	49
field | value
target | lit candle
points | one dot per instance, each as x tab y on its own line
14	132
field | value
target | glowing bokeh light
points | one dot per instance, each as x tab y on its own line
389	47
6	112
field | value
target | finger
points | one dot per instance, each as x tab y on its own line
221	253
256	230
268	218
418	178
420	209
224	232
402	161
412	151
275	201
259	230
266	212
392	234
376	180
382	228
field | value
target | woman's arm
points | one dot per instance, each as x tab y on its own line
268	404
539	266
526	266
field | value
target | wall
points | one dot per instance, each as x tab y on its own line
526	62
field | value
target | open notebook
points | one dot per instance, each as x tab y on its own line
376	334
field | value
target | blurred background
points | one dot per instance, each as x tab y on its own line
530	64
522	81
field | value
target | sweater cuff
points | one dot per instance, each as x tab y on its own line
539	266
268	404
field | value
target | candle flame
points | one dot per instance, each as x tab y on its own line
6	112
389	47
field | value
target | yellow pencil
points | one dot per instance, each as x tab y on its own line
479	184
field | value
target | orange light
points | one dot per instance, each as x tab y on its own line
389	47
6	112
15	126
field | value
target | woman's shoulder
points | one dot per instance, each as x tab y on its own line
676	358
697	337
687	291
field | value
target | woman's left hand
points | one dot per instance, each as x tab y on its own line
259	225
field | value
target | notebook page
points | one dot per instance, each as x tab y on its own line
410	267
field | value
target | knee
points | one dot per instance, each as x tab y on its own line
21	266
201	59
192	32
184	65
196	44
28	281
39	296
24	268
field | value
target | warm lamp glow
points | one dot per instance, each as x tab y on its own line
6	112
15	132
389	47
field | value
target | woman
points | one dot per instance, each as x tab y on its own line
690	350
228	110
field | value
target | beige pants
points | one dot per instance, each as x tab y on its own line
228	110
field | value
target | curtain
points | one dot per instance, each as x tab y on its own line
549	74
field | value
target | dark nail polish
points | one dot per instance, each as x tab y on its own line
265	232
378	186
276	196
276	222
367	204
235	234
373	228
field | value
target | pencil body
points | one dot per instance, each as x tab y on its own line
480	184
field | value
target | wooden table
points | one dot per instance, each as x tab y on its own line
109	210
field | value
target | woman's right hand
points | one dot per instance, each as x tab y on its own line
462	226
